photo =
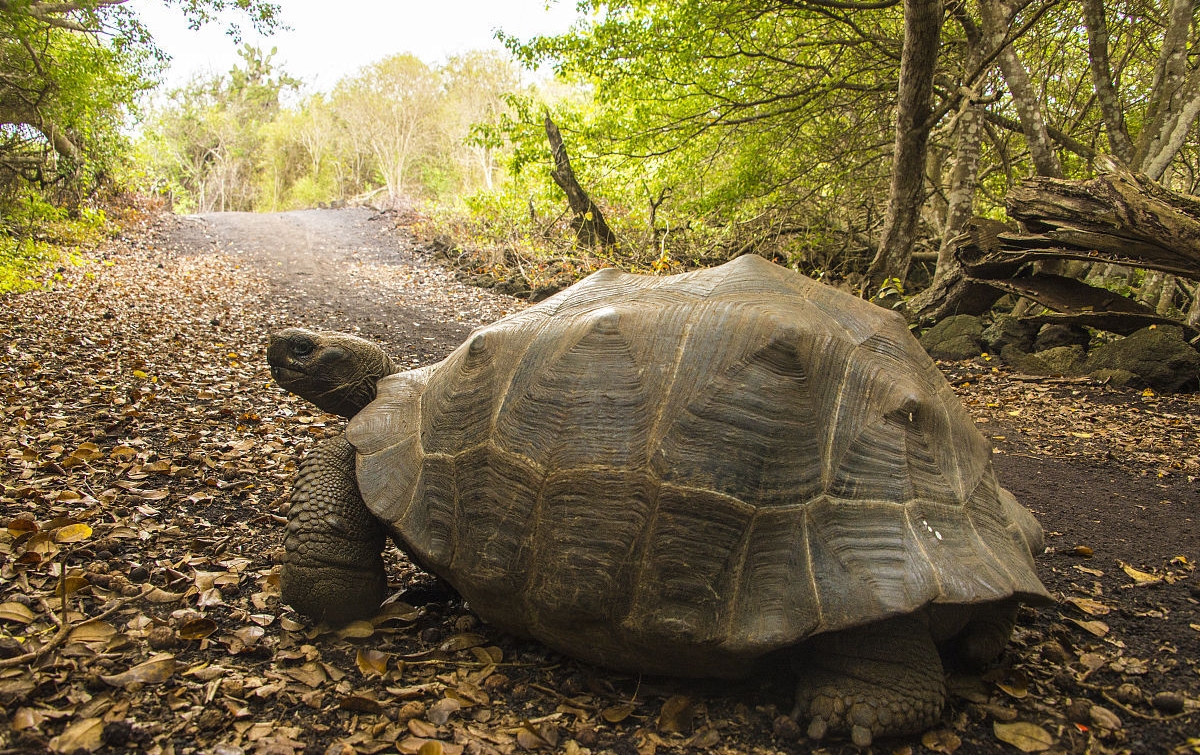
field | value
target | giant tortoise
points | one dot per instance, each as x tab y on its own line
676	475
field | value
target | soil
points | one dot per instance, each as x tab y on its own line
1113	475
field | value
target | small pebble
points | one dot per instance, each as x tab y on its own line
1128	694
161	638
1168	702
786	728
139	574
586	735
1078	710
410	710
430	635
1054	652
233	687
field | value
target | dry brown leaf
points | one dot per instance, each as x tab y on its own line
356	630
372	662
412	746
1023	735
197	629
158	595
1015	685
1140	578
19	527
153	671
18	612
70	585
615	714
439	713
421	728
360	704
73	533
92	631
537	736
462	642
310	674
79	735
676	715
1089	606
1095	627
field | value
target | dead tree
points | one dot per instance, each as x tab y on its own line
1117	217
589	224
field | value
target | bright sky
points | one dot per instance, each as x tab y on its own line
331	39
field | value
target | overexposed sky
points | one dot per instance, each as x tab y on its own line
330	39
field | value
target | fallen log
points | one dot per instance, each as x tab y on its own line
1117	217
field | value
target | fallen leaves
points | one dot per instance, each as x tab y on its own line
146	462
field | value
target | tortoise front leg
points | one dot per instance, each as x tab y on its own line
880	680
334	545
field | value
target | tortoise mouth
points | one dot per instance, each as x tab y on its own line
284	375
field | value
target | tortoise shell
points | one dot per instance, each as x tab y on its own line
679	474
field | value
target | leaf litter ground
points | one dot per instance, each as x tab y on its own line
148	457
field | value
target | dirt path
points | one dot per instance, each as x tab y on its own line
135	398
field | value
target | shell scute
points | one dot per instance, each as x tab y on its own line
690	564
497	498
590	526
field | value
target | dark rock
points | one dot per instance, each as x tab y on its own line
515	286
1054	335
786	728
1158	355
1063	360
1117	378
1168	702
957	337
1007	330
1077	711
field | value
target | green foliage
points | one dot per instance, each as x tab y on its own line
211	141
71	74
397	126
36	234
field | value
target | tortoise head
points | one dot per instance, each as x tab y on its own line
335	371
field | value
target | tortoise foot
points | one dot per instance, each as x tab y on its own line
881	680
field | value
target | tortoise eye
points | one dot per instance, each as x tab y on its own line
302	348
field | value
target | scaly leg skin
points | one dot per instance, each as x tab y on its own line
334	567
881	680
986	635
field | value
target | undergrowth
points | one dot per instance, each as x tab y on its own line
37	237
531	250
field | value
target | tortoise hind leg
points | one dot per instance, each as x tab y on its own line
986	635
334	565
880	680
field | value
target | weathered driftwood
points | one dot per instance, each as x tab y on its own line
1117	217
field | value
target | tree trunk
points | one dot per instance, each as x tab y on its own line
1102	81
964	176
1168	96
922	34
590	226
996	19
